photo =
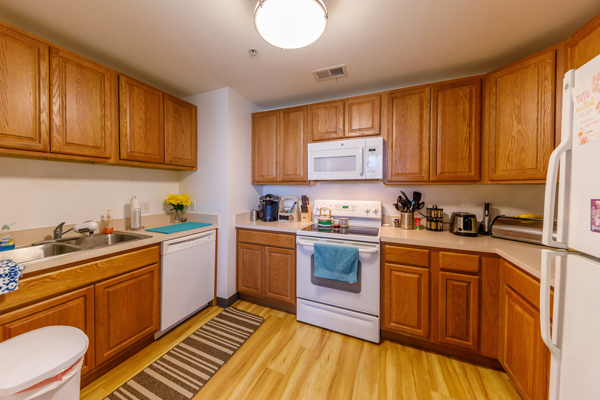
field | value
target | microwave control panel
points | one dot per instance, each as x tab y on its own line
373	158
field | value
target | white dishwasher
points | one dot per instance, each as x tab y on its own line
187	278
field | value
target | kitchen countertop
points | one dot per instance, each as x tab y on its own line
524	255
243	221
82	256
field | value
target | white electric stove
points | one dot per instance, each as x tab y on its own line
349	308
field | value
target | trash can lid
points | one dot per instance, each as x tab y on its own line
34	356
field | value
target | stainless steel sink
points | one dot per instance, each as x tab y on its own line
97	241
50	249
32	253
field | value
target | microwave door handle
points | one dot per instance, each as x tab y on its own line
360	160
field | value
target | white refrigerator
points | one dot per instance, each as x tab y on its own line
572	333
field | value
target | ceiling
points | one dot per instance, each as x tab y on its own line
187	47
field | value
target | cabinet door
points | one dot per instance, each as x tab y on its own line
141	121
81	105
280	274
72	309
181	132
522	354
327	120
459	310
250	269
127	310
265	146
520	119
406	299
584	45
24	69
293	145
408	135
456	131
363	115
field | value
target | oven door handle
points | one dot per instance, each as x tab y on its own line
360	250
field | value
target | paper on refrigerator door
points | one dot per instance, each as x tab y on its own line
586	97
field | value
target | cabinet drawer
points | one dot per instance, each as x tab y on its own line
405	255
268	239
459	262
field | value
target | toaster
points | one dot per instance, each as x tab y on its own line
463	224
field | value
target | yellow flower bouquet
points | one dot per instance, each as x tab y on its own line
178	202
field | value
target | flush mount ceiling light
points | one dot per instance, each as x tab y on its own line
290	24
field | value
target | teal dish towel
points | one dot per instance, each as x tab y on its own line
186	226
337	263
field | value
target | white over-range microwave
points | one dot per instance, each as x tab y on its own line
346	160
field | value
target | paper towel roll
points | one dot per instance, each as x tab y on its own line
133	204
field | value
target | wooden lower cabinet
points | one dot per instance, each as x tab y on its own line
522	351
406	296
266	268
73	309
114	301
459	310
127	310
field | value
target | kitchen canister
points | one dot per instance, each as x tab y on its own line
253	215
407	220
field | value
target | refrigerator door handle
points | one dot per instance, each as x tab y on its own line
553	164
545	288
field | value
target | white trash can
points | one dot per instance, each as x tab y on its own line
44	364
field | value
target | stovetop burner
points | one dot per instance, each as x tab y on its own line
351	230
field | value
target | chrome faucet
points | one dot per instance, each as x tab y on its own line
58	231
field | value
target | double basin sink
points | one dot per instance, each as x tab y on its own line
55	248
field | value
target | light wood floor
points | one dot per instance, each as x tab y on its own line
285	359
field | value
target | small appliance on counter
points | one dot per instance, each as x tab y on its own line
291	212
268	207
463	224
305	211
484	227
528	230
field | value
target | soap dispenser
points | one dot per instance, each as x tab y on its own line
108	228
7	241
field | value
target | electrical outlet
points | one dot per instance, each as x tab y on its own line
145	206
193	205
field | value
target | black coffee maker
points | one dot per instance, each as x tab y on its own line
268	208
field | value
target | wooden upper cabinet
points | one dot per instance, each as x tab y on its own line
519	127
327	120
455	154
74	309
293	145
127	311
584	45
408	119
181	132
406	295
265	146
363	115
24	80
82	101
141	122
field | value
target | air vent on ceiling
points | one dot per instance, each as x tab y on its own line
331	73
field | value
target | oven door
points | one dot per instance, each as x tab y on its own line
362	296
336	161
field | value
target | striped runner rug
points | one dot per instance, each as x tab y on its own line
185	369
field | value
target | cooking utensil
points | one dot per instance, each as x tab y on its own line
405	197
324	221
417	197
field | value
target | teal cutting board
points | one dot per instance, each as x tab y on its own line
186	226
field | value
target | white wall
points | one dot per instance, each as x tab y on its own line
241	195
222	183
505	199
39	193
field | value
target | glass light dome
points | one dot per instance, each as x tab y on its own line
290	24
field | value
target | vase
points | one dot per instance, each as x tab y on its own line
177	216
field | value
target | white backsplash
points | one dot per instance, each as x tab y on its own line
505	199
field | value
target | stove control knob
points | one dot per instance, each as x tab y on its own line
367	209
375	209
